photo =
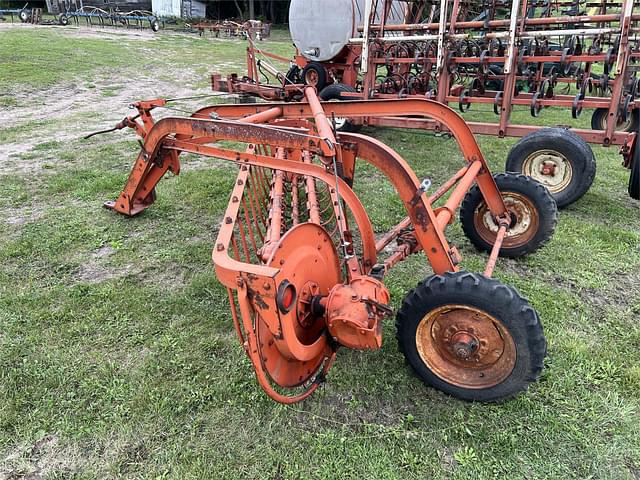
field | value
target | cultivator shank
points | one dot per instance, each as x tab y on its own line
296	249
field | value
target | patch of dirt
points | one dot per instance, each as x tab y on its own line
135	358
86	105
86	32
623	290
173	275
92	272
44	458
103	251
22	215
95	270
448	460
13	150
71	108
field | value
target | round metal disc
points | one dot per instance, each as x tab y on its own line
525	217
549	167
465	346
307	259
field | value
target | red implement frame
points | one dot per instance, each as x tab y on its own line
459	61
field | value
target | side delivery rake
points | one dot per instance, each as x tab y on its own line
304	271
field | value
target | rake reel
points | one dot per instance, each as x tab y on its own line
304	270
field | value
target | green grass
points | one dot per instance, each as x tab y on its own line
118	357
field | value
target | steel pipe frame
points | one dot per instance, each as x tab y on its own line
518	30
462	25
451	121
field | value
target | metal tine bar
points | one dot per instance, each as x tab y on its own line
253	197
236	253
275	213
265	186
312	198
260	195
248	191
234	315
265	202
295	214
256	211
243	239
249	223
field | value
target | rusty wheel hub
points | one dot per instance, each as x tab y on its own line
466	346
525	220
549	167
311	78
305	297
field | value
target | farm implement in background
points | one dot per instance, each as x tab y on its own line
303	269
499	54
24	14
253	29
72	13
97	17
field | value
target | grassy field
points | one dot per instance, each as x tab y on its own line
117	354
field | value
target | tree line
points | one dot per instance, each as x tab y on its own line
274	11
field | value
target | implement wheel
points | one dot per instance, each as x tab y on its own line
599	120
559	159
334	93
634	176
314	74
533	216
471	336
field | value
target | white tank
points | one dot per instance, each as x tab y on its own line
320	29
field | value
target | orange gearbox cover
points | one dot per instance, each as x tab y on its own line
353	314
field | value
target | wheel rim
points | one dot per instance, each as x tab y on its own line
623	126
339	122
465	346
525	221
311	77
549	167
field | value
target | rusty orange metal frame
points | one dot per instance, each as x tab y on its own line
254	255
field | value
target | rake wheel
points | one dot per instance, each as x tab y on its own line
471	336
533	216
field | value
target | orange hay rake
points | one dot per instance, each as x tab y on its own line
304	270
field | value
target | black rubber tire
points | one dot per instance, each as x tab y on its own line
334	92
534	191
293	75
599	120
320	71
634	175
577	152
502	302
63	20
23	16
154	25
